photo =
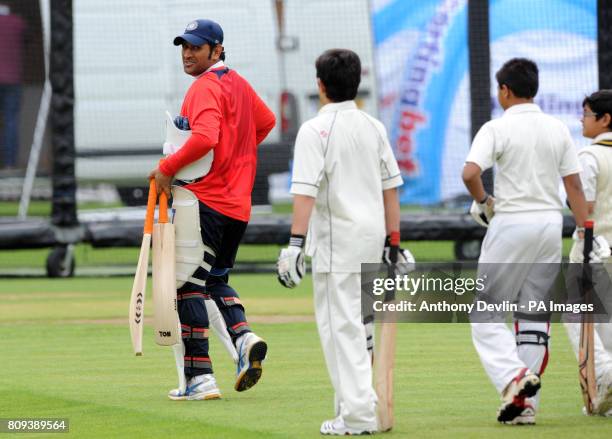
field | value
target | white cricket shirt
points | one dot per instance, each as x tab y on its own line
596	161
590	168
344	160
531	151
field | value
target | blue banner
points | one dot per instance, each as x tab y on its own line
423	79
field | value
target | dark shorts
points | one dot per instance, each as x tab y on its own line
221	233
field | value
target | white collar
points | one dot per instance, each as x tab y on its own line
338	106
217	65
523	108
602	136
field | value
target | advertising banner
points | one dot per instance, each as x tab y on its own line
421	55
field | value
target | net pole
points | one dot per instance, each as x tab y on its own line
41	119
604	43
480	72
61	74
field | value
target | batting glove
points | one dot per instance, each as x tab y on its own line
601	249
483	212
401	258
291	264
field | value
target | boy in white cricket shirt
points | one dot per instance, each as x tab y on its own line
345	175
531	152
596	176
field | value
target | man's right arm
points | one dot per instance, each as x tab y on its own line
196	147
302	209
392	210
308	163
570	171
575	196
204	115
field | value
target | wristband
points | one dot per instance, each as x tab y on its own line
394	238
484	200
297	241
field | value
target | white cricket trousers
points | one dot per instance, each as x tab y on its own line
337	301
521	239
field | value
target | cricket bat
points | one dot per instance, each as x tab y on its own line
165	319
137	298
384	362
586	351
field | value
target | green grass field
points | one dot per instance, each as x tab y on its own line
87	256
66	353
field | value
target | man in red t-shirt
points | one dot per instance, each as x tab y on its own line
211	212
12	33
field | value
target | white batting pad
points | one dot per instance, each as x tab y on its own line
175	139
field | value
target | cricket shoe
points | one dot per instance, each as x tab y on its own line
251	354
604	395
527	417
200	387
524	385
336	427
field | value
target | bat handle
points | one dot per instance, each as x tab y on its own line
588	240
163	208
151	201
586	268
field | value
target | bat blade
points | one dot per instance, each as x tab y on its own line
166	320
139	287
586	366
384	363
137	297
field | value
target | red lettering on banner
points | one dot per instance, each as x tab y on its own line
405	141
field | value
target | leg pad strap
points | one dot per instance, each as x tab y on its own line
532	337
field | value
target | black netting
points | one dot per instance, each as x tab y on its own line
428	75
480	82
62	115
604	40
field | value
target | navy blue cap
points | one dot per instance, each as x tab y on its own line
200	32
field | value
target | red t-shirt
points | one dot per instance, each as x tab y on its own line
12	28
226	114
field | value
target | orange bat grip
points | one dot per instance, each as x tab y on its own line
151	202
163	208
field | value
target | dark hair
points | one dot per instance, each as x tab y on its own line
520	75
601	103
340	72
212	48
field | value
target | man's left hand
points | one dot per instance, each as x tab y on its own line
162	181
600	253
483	212
399	258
